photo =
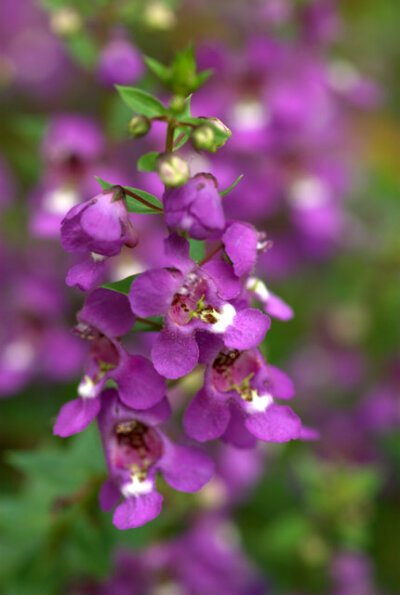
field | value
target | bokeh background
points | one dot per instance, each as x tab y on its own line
310	91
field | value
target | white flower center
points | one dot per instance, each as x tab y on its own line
259	403
136	487
87	388
224	319
60	201
250	115
18	356
308	193
97	257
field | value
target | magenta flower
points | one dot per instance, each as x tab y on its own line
120	63
195	208
105	317
193	298
237	402
100	226
135	449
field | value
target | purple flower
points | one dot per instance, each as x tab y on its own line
193	298
100	226
273	305
105	317
135	450
120	63
237	402
195	208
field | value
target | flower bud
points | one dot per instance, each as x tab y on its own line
219	142
177	104
139	126
65	22
172	169
203	138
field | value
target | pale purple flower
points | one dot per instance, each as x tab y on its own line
135	450
120	63
193	298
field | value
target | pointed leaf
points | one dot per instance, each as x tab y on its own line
147	162
142	102
231	187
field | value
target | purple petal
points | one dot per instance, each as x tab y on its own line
86	274
157	414
280	385
140	386
236	432
72	238
100	220
309	434
276	424
137	511
176	250
174	354
186	469
151	293
209	346
75	416
248	329
206	417
109	495
277	308
228	285
108	311
240	241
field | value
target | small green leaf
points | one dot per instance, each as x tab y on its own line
147	162
142	102
133	205
122	286
181	131
143	326
163	72
197	249
231	187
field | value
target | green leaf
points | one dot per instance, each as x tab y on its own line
163	72
141	102
133	205
197	249
122	286
143	326
231	187
147	162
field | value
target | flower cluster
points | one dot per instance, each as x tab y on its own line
207	310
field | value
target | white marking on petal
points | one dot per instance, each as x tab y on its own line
250	115
60	200
18	356
224	319
259	403
97	257
309	192
136	487
87	388
259	288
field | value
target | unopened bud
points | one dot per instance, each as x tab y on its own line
177	104
65	22
219	141
139	126
203	138
159	16
172	169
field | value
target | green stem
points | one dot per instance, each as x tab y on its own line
169	141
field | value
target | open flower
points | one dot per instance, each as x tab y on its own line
237	402
135	449
193	298
195	208
104	318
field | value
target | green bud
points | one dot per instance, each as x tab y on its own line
172	169
219	142
139	126
177	104
203	138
